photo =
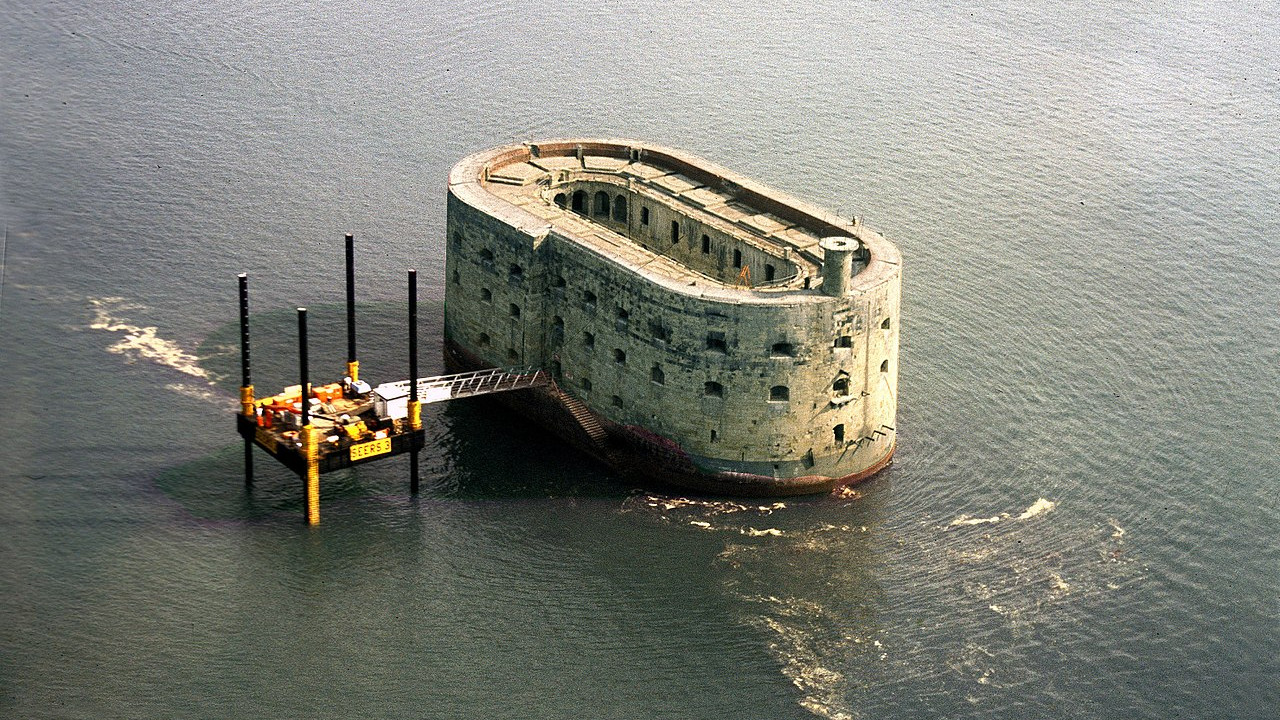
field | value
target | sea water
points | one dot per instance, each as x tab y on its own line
1081	518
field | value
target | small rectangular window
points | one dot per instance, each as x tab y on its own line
644	216
706	245
675	231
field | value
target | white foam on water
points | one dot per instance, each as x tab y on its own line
772	532
201	393
966	520
142	343
1039	507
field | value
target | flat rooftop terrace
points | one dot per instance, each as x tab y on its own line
528	177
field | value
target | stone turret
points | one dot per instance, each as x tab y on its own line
837	264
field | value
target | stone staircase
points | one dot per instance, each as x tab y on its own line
589	424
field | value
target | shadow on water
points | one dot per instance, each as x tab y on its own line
476	449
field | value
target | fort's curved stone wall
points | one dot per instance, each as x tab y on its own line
619	267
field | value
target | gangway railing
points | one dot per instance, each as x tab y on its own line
470	384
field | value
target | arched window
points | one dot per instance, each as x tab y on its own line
779	393
616	401
602	203
885	325
558	282
486	294
620	208
483	340
580	201
713	389
517	272
586	384
657	376
884	366
841	386
589	299
561	199
588	341
515	310
486	257
619	356
782	349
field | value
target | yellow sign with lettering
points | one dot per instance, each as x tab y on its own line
370	449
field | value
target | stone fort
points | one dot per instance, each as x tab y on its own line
702	330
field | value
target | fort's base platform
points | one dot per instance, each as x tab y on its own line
647	458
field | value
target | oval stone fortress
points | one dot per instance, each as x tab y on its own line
703	331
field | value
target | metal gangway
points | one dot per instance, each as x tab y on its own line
468	384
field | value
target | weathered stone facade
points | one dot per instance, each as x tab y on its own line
687	307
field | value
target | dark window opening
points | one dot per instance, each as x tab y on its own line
580	202
716	342
644	216
556	370
589	299
561	199
884	366
486	257
486	294
602	203
620	209
515	310
713	389
782	349
838	431
737	258
623	318
659	332
589	340
586	384
483	340
657	376
769	272
619	356
706	245
557	327
456	278
885	325
513	357
516	272
844	341
779	393
616	401
558	282
841	386
714	436
675	231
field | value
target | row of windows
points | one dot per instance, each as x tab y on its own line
715	341
603	206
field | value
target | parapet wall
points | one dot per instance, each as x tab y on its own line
781	381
